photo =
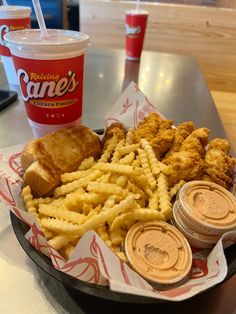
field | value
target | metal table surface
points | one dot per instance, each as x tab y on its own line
177	87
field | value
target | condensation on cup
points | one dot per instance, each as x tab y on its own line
12	18
135	28
50	72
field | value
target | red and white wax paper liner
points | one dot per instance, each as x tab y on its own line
130	108
92	260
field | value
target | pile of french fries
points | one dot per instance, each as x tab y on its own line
126	185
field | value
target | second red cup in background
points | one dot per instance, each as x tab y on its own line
135	27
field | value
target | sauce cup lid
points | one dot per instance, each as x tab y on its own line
158	252
209	205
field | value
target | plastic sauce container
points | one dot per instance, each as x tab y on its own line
204	211
195	239
158	252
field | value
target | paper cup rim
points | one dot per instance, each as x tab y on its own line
49	49
80	38
136	12
14	11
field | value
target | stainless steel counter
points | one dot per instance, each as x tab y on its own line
176	86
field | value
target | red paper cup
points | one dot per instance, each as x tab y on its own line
50	72
136	21
12	18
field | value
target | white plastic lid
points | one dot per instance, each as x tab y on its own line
62	44
17	12
137	12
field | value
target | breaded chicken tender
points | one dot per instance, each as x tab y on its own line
115	129
184	165
187	164
181	133
162	142
220	144
218	164
201	134
148	128
165	125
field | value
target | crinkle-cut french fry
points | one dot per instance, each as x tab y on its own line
154	200
72	176
110	202
116	155
116	237
43	200
142	182
93	211
164	196
108	214
174	190
58	201
113	177
137	162
104	188
147	169
164	168
61	240
141	203
68	250
129	136
125	150
73	200
122	181
86	208
61	226
154	163
98	208
135	190
127	224
104	178
107	153
72	186
86	164
142	214
136	196
103	232
128	159
28	199
118	168
47	233
57	212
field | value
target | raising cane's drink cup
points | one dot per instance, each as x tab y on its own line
12	18
50	72
135	27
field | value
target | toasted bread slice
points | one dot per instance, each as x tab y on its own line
46	158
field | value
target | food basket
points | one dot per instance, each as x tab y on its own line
93	268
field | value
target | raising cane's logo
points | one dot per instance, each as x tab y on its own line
48	88
3	30
132	30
